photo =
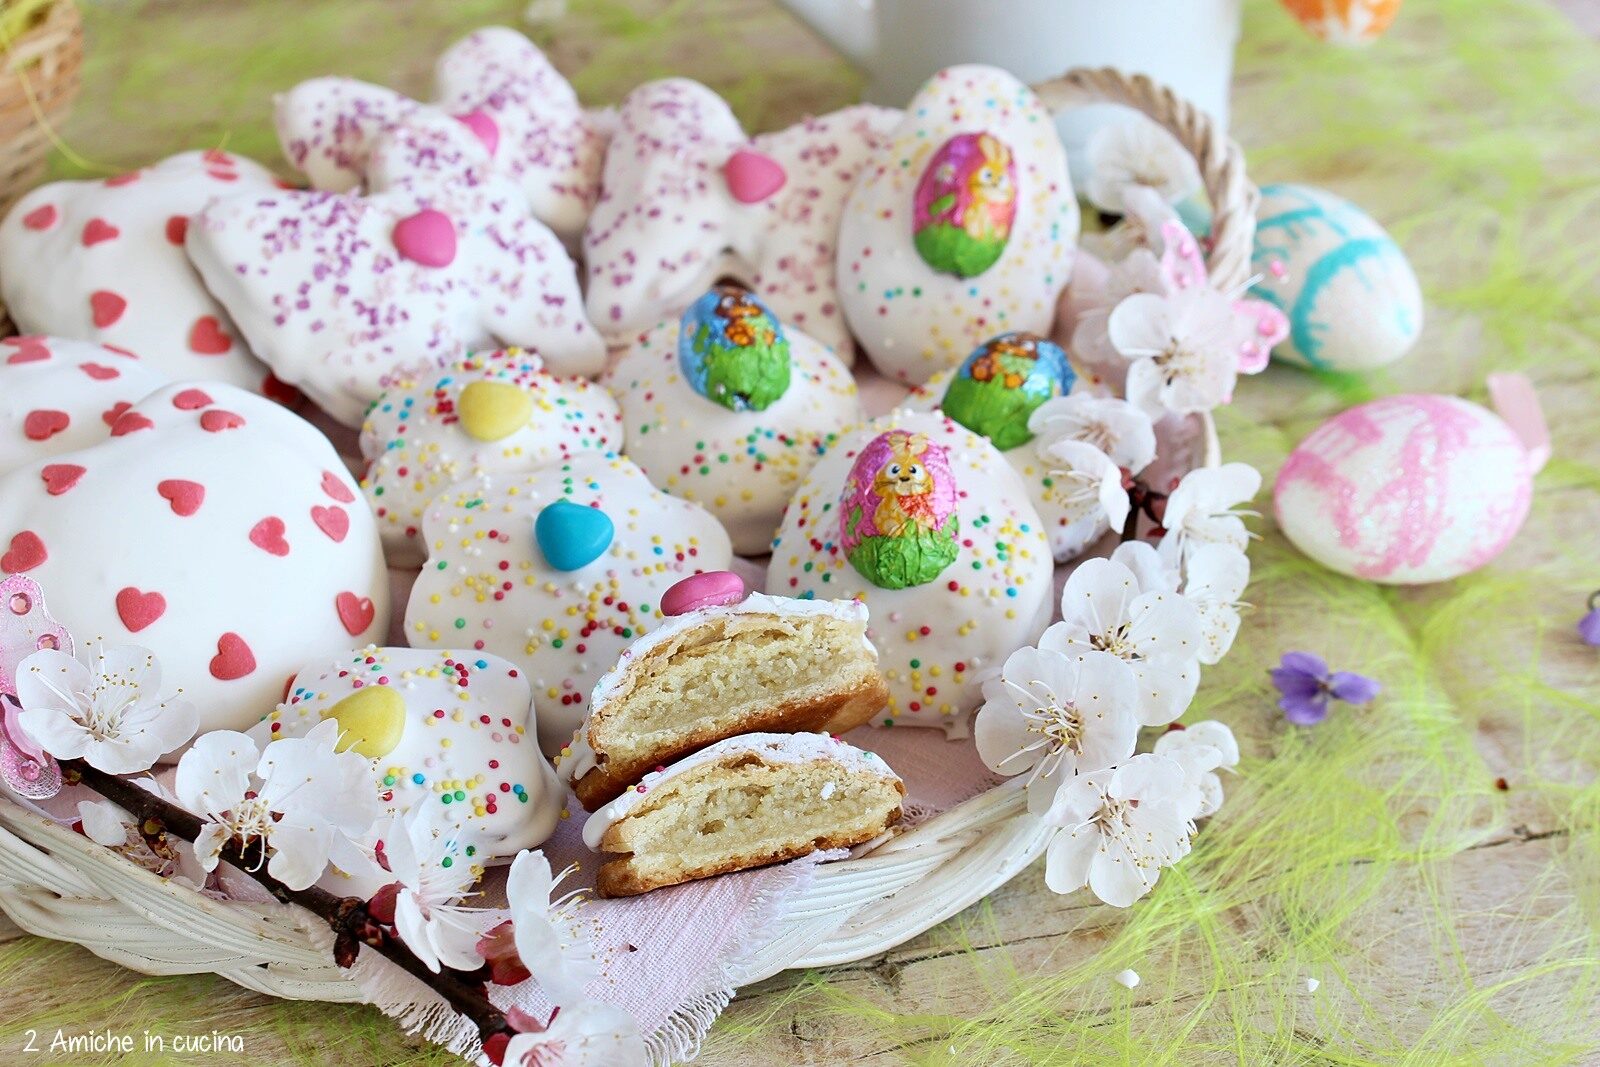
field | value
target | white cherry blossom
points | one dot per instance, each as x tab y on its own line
1117	828
589	1033
1086	492
1138	154
1053	716
1119	429
1201	749
1156	633
108	711
1151	571
432	860
547	936
1215	576
1204	509
1145	218
299	800
1179	347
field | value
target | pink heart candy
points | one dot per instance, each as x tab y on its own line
708	590
752	177
428	238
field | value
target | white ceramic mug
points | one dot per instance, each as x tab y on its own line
1186	44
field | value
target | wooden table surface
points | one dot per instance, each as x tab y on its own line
134	109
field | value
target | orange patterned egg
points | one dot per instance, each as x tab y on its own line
1345	21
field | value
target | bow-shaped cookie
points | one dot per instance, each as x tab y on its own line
687	198
338	290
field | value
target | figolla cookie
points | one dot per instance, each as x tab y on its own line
687	199
923	521
441	727
59	396
489	411
339	291
745	802
1013	390
729	407
213	527
962	228
557	570
104	261
761	663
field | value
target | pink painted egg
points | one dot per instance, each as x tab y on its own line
1406	490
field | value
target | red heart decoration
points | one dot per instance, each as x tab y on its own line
337	489
177	229
355	612
138	609
331	521
208	338
268	536
123	179
26	553
233	659
274	388
98	230
192	400
115	412
216	420
184	496
59	477
130	422
29	350
41	218
44	423
106	307
99	371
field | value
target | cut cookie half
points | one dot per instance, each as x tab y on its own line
744	802
763	664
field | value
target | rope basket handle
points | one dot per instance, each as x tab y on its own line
1233	198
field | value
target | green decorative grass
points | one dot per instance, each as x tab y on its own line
1449	921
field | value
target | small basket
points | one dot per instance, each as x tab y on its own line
38	81
59	884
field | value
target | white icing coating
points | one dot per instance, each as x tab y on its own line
936	644
773	748
578	757
417	446
214	528
322	286
104	261
545	141
59	396
913	320
464	743
742	466
488	586
666	225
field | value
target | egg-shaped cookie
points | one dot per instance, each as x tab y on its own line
927	524
557	570
487	412
962	228
729	408
440	726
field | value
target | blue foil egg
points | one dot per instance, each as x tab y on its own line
732	350
1002	382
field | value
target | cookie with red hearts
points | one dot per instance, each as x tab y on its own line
558	570
445	727
729	407
59	396
926	523
216	529
104	261
688	198
963	226
439	257
500	85
487	412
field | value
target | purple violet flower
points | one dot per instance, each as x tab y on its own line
1307	685
1589	625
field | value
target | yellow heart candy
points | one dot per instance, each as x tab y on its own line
492	410
371	720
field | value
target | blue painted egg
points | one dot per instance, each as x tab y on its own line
572	536
1350	295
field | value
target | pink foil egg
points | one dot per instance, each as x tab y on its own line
1406	490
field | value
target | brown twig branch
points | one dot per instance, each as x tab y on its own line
348	917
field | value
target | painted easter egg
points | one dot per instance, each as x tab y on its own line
1002	382
964	205
1406	490
1345	22
897	512
733	351
1350	295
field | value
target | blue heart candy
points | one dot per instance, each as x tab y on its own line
572	536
